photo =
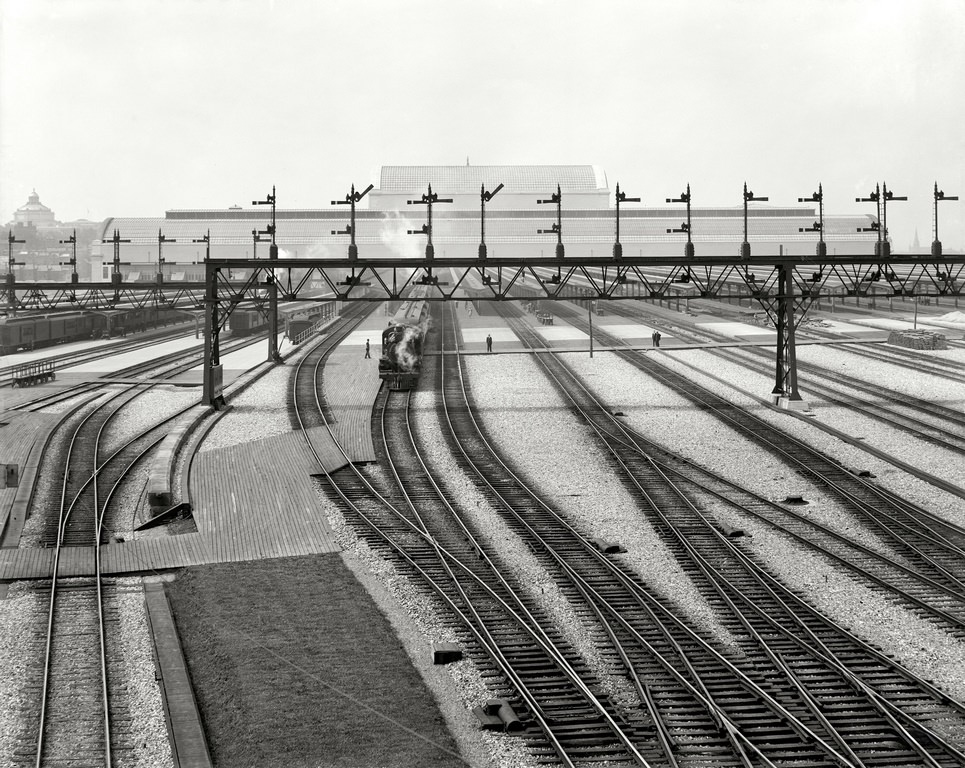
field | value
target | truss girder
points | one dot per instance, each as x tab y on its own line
507	279
786	287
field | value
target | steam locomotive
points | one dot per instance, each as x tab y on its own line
401	360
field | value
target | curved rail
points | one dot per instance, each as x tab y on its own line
352	494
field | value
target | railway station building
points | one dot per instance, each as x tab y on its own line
513	218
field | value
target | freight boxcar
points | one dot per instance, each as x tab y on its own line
29	331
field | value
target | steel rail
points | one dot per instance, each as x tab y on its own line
872	514
80	388
543	639
696	687
956	621
520	613
64	514
912	425
886	708
805	729
428	579
478	627
870	510
635	438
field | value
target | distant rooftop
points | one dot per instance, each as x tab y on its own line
460	179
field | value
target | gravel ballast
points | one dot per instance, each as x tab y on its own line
557	454
667	419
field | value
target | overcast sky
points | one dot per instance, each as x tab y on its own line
132	107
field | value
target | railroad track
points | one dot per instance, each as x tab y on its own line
935	546
179	363
547	674
818	661
694	701
82	712
69	359
552	689
908	359
656	647
929	599
936	424
89	474
308	377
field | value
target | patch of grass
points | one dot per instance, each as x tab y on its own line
294	665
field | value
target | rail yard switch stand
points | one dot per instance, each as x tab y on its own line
607	547
498	715
445	653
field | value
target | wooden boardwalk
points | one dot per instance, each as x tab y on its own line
351	383
21	439
253	500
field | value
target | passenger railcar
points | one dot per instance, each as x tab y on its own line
293	316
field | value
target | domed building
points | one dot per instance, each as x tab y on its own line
34	213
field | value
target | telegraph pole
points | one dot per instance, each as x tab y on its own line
72	240
426	229
617	247
558	226
351	199
161	239
684	198
886	195
936	246
818	226
748	197
11	280
427	200
484	197
116	268
874	197
273	355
